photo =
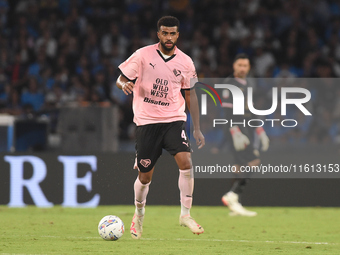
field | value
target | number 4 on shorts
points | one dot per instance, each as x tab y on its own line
183	135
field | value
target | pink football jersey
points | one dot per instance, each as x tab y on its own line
157	94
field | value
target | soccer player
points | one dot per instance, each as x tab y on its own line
242	137
156	74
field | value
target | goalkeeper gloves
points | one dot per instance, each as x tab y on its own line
240	140
263	138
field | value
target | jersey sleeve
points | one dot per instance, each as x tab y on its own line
190	77
130	67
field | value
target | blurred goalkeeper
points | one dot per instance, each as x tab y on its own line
241	137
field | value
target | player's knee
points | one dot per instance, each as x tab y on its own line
145	178
183	160
185	165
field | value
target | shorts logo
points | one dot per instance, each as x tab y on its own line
187	144
177	72
145	162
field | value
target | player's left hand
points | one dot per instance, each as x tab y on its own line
199	137
263	138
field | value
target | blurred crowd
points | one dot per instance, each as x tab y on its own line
56	53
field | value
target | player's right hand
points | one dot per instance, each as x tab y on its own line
128	87
240	140
199	137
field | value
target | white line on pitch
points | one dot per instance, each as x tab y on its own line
206	240
239	241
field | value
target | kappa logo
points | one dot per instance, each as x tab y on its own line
177	72
145	162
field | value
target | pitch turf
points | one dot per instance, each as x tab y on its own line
60	230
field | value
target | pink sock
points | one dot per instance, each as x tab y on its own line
186	186
141	191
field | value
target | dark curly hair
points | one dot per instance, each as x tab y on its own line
168	21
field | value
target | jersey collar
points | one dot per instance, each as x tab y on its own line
160	54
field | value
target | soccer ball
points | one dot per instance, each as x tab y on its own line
111	228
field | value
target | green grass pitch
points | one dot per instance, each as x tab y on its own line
276	230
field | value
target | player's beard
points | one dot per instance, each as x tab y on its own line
167	49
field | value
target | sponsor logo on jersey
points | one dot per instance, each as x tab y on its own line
156	102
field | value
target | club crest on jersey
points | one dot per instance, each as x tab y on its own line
145	162
177	72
